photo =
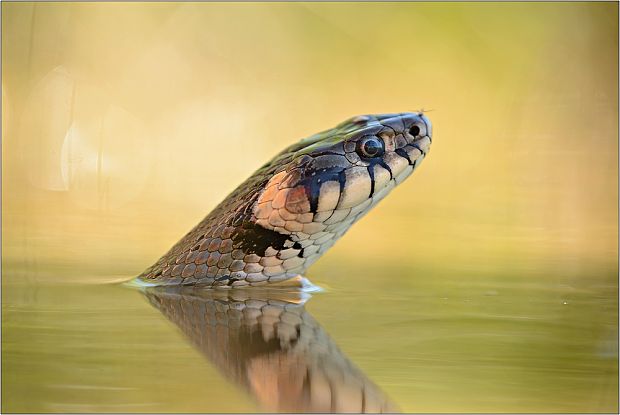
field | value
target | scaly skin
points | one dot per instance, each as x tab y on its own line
266	342
294	208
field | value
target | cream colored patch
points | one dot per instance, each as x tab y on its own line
288	253
293	263
424	144
338	216
328	196
356	189
256	277
382	177
413	152
322	216
273	271
270	261
397	163
293	226
313	227
305	217
301	236
253	268
251	258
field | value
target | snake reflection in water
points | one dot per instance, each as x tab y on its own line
266	342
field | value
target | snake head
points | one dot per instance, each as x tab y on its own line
290	211
326	182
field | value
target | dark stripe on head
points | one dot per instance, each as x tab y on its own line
313	189
371	173
385	166
342	180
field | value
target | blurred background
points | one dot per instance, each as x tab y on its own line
124	124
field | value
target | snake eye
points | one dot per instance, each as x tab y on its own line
370	147
414	130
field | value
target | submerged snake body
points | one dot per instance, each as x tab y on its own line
291	210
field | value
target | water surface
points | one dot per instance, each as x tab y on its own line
431	343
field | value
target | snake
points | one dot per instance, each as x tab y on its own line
288	213
267	343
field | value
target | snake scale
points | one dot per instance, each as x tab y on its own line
294	208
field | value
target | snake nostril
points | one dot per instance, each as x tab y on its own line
414	130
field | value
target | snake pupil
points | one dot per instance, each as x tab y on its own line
371	147
414	131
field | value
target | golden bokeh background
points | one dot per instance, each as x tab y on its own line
123	124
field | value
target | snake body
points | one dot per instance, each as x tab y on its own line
293	209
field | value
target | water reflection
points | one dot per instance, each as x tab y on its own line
265	341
